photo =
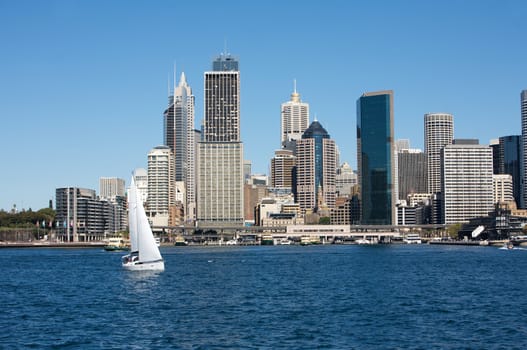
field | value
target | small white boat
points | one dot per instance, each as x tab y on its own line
144	253
412	238
362	241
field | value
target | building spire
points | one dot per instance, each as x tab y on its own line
295	96
174	78
182	79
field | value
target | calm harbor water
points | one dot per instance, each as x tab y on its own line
265	297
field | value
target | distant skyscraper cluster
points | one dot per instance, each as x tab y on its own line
199	178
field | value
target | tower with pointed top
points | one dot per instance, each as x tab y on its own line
179	137
316	168
294	119
220	153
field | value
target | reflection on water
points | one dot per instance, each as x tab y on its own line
140	281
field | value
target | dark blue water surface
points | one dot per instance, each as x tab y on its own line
283	297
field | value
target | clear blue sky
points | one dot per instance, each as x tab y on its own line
83	84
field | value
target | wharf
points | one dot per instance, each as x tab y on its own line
473	243
52	244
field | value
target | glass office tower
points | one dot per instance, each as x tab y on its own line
375	153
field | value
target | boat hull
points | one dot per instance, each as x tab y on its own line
144	266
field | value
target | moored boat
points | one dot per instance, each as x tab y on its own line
116	244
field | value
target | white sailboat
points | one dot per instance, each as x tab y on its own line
144	253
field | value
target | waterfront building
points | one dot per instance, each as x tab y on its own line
375	155
439	132
316	168
341	215
523	99
412	174
502	188
510	160
111	187
161	187
220	174
467	181
345	181
294	119
179	137
254	190
283	169
82	217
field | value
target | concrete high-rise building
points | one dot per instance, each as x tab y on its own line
282	169
111	187
411	167
161	187
294	119
375	158
316	168
502	188
439	132
523	99
179	136
467	181
220	170
510	160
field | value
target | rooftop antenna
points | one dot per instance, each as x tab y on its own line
168	85
174	79
294	84
225	46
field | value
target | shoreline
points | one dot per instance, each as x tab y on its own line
52	244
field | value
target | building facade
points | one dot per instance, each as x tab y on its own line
161	187
467	182
412	173
283	169
523	103
502	188
220	174
294	119
179	136
510	162
82	217
375	158
111	187
439	132
316	168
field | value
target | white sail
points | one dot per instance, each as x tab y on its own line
132	215
145	254
148	250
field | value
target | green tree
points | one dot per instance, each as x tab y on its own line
325	220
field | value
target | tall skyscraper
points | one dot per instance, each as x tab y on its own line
523	203
439	132
220	174
467	181
161	187
294	119
509	162
316	167
179	136
375	155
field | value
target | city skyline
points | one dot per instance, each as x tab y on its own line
84	84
